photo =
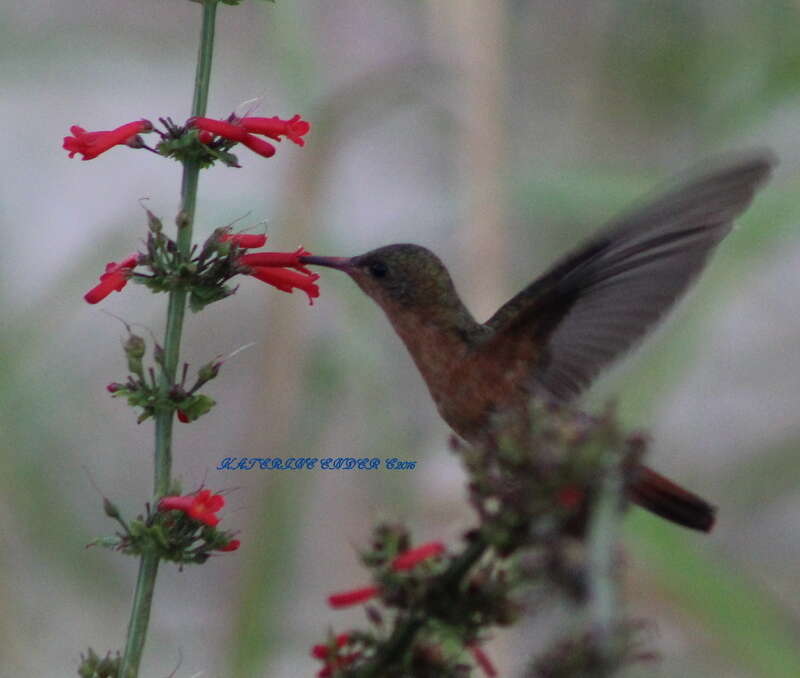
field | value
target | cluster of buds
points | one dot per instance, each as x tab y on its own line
425	589
341	652
183	529
142	391
94	666
579	655
205	272
203	141
533	481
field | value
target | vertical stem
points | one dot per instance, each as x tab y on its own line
603	532
176	308
140	616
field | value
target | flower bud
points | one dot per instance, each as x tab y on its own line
134	349
110	509
209	371
153	222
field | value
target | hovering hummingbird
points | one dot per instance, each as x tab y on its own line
556	335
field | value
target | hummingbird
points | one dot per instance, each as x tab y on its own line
553	338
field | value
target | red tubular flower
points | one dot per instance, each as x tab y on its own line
293	129
410	558
220	128
183	417
233	132
286	259
201	506
113	279
243	131
232	545
245	240
482	660
259	145
92	144
286	280
354	597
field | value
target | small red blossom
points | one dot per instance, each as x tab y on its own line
293	129
92	144
482	660
286	280
354	597
259	146
404	561
113	279
201	506
324	651
183	417
411	557
330	655
570	497
245	240
232	545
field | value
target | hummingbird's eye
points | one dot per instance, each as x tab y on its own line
378	269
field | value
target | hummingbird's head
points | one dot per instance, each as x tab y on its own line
406	277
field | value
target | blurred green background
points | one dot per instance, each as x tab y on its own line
497	133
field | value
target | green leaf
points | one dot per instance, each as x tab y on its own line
196	406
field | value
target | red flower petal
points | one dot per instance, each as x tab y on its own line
355	597
279	259
175	503
275	128
92	144
200	507
245	240
232	545
113	279
286	280
219	128
258	145
324	651
410	558
234	132
320	651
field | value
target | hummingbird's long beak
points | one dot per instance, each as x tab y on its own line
342	263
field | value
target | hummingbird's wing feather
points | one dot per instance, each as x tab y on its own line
599	300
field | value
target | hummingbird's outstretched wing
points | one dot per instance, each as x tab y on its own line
599	300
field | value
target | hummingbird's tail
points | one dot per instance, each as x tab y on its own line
656	493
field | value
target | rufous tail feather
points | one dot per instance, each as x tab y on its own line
660	495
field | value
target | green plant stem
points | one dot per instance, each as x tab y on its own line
176	308
603	531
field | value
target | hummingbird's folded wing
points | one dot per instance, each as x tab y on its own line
596	302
